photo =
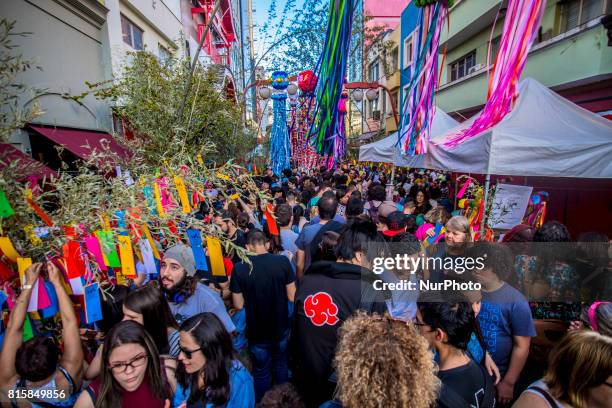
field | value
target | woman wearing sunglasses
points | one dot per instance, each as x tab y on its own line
210	374
133	374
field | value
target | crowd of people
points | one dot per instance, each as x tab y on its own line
300	323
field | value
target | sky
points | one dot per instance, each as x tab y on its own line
261	15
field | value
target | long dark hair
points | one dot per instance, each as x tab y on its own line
216	344
150	302
129	332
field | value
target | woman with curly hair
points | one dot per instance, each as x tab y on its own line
383	362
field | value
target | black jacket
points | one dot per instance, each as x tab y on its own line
328	295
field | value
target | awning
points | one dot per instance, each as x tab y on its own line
25	166
82	142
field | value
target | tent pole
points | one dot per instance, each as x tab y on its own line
486	198
392	179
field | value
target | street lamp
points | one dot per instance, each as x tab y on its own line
357	95
372	94
292	89
265	93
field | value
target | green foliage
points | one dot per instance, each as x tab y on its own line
148	96
302	37
12	115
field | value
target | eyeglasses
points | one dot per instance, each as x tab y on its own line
188	353
137	361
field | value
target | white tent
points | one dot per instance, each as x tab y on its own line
543	135
383	150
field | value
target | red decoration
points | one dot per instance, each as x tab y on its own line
307	81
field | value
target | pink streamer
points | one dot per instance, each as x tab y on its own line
520	28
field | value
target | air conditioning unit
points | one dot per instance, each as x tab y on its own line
474	68
376	115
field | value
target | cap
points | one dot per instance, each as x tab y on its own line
183	255
386	208
396	221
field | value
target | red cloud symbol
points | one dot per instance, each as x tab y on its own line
321	309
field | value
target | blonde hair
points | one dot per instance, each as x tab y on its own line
461	224
437	215
382	362
580	361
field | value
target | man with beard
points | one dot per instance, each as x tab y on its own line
186	296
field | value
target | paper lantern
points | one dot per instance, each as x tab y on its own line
358	95
292	89
307	81
265	92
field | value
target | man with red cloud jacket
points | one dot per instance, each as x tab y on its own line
328	295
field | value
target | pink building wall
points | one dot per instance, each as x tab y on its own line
384	12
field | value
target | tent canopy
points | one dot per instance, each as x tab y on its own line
383	150
543	135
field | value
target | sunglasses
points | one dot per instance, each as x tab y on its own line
137	361
188	353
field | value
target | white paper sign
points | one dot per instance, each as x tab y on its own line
509	205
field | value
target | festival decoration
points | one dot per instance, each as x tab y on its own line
280	151
521	26
418	109
536	210
340	136
303	154
331	71
307	81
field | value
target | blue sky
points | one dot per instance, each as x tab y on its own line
261	15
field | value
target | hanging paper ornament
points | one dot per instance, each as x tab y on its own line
418	108
280	80
307	81
280	151
340	135
521	26
331	72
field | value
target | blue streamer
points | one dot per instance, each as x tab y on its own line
280	149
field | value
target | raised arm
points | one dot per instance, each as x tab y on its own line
13	335
72	357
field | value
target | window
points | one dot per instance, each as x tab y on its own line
132	35
395	101
394	60
407	52
461	67
374	72
163	53
578	12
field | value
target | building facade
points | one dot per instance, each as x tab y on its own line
570	54
67	40
407	43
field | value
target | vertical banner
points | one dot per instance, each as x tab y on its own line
127	256
195	240
75	265
182	193
93	307
216	256
7	248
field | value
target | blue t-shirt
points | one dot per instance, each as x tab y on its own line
204	299
338	218
242	392
504	313
305	238
288	238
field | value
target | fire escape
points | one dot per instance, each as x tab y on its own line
219	38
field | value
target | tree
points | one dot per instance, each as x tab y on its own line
305	33
148	96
